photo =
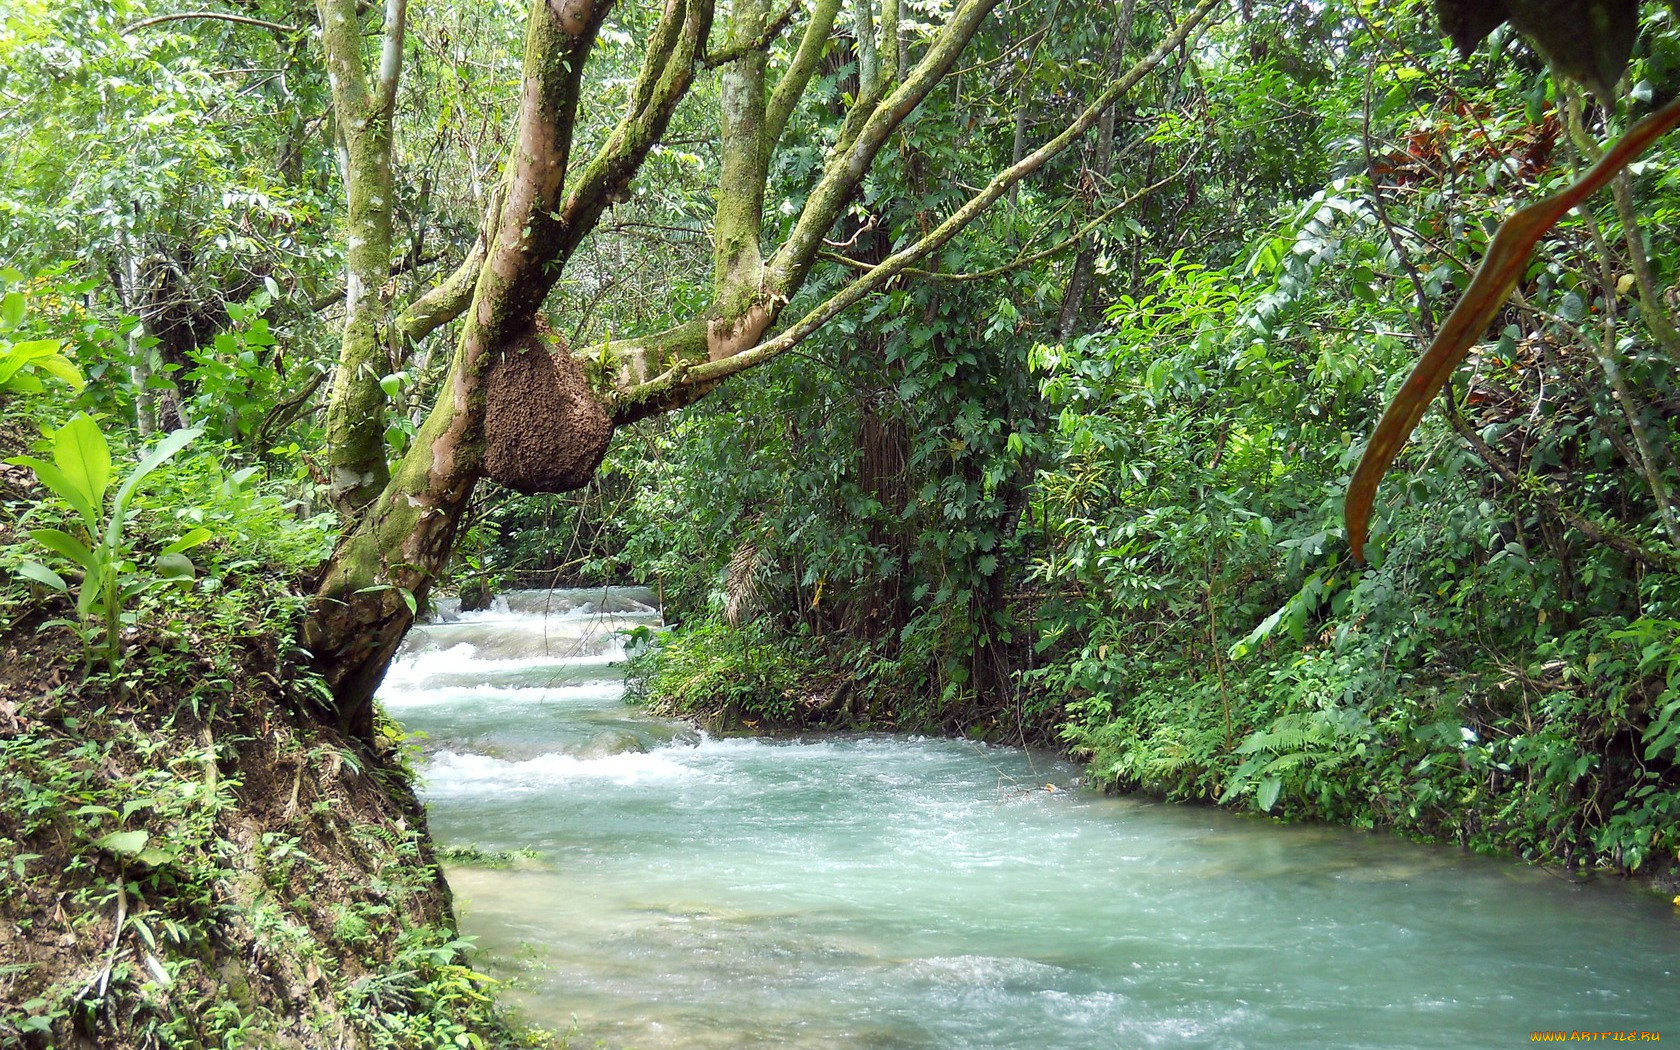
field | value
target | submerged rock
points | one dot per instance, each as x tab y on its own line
613	742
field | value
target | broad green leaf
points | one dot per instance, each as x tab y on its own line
123	843
61	542
34	570
81	452
154	459
34	352
175	567
187	542
60	484
11	309
1267	796
93	589
62	368
10	362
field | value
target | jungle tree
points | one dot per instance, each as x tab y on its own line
513	409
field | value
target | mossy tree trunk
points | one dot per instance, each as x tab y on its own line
364	111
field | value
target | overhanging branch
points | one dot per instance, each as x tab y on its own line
1072	239
684	383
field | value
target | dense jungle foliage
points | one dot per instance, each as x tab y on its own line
1119	529
1073	476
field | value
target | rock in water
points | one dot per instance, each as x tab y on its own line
612	742
544	431
476	595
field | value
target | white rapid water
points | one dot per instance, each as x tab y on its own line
913	893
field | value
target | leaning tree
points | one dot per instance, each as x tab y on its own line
515	406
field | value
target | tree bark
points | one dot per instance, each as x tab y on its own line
735	322
738	265
686	382
356	405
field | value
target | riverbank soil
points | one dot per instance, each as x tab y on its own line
186	862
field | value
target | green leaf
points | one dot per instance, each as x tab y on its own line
123	843
1267	796
11	309
159	455
82	453
34	570
26	353
60	484
93	590
175	567
60	542
189	541
61	367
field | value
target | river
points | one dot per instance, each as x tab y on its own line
877	891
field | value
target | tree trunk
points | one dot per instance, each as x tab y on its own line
356	405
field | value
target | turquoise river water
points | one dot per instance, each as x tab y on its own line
888	892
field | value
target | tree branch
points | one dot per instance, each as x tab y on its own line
791	86
1507	257
1025	260
443	303
157	20
760	43
390	54
855	153
1551	499
684	384
734	321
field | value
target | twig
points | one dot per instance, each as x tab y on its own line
1661	561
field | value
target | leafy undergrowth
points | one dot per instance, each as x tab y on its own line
759	679
1545	759
754	680
189	864
189	855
